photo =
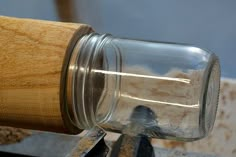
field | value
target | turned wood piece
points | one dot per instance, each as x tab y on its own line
32	59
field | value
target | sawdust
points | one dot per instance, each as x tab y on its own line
232	95
9	135
86	145
174	144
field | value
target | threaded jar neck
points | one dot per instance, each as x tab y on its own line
83	100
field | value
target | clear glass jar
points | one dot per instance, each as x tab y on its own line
161	90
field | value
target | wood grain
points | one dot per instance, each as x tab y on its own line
31	60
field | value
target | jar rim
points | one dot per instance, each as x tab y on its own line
83	108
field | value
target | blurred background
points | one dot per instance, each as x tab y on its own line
209	24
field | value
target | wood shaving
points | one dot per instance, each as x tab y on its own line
10	135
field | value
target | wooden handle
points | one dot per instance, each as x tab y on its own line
31	61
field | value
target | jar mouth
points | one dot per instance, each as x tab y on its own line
210	95
84	98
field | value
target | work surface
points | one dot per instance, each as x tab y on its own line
59	145
221	142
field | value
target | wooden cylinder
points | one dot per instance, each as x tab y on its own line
32	59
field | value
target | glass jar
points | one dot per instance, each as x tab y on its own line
161	90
